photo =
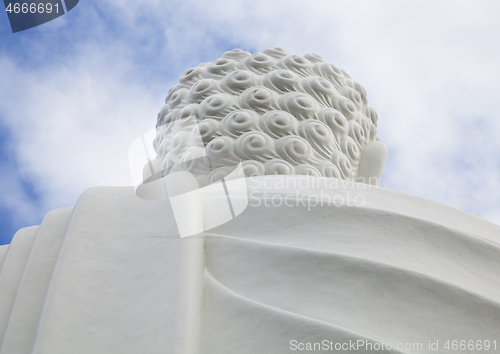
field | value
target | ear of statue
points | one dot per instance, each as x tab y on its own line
372	163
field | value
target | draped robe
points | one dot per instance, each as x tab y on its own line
112	275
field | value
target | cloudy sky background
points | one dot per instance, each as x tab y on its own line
75	92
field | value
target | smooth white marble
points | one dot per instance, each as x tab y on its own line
395	269
124	282
30	297
3	254
12	271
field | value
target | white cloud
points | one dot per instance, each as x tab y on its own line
72	125
17	207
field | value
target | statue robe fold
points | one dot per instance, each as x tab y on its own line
112	275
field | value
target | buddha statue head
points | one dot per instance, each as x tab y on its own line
275	113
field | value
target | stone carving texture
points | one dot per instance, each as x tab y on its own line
277	113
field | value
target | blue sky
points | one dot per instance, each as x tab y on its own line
75	92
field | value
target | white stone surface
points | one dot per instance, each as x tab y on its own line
26	311
125	282
255	327
3	253
396	269
399	269
12	271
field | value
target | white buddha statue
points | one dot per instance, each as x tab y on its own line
314	256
